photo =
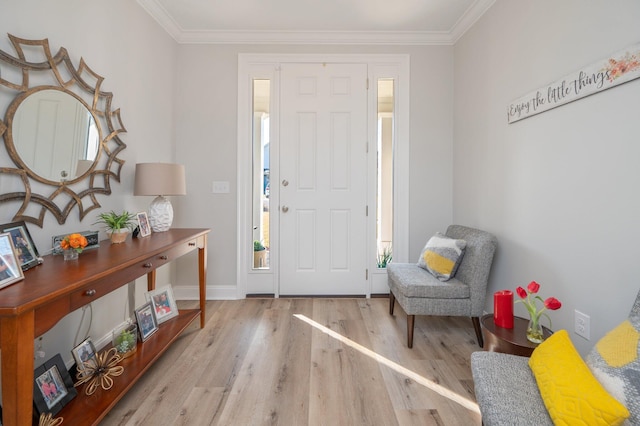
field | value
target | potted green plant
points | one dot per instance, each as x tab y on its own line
117	225
259	254
125	339
385	257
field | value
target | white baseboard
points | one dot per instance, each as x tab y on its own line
229	292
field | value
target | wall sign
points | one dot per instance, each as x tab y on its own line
619	68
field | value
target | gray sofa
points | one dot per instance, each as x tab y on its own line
507	392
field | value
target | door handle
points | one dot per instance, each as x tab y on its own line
285	209
285	182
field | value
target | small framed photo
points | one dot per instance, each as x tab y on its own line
10	270
83	353
53	387
147	322
25	249
163	303
91	236
143	223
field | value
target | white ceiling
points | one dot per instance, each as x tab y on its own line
419	22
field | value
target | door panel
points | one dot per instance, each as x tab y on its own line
323	179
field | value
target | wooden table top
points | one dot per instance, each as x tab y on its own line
509	340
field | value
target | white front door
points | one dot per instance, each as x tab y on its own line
323	179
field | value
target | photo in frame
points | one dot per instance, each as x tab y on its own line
92	241
25	249
143	224
10	270
53	386
163	303
83	353
147	322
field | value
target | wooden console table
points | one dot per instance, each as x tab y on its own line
50	291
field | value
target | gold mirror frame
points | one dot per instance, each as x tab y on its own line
57	72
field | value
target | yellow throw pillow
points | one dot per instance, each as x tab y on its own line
569	391
442	256
615	362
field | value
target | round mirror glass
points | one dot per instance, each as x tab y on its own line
55	135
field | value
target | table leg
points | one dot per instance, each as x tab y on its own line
16	344
151	280
202	277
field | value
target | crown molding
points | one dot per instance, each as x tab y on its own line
424	38
162	17
315	37
468	18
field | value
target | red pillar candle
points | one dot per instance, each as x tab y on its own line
503	308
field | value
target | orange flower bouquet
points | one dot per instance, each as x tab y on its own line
74	242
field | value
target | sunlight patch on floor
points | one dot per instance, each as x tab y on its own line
461	400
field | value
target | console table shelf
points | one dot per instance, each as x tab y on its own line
50	291
90	410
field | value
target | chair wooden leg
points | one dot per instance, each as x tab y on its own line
476	325
392	302
411	319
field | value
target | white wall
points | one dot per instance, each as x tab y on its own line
206	111
119	41
559	189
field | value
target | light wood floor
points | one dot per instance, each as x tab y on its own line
255	363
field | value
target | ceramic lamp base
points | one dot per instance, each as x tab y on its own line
160	214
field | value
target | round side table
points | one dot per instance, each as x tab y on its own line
509	340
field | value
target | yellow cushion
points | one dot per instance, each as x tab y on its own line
620	346
442	256
615	362
569	391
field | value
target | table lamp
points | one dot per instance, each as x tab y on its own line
160	179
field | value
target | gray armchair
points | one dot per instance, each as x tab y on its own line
420	293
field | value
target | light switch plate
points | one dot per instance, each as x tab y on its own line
220	187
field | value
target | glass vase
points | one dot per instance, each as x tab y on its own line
70	254
534	330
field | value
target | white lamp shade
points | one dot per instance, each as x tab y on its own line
159	179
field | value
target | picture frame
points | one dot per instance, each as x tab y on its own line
147	322
92	237
163	303
143	224
84	352
10	270
53	387
24	247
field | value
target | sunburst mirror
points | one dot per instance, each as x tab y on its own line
59	130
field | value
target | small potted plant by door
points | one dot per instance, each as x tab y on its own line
117	225
259	255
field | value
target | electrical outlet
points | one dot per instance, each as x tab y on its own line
582	324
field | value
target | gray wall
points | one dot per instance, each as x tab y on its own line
558	189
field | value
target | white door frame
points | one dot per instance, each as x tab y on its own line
266	66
